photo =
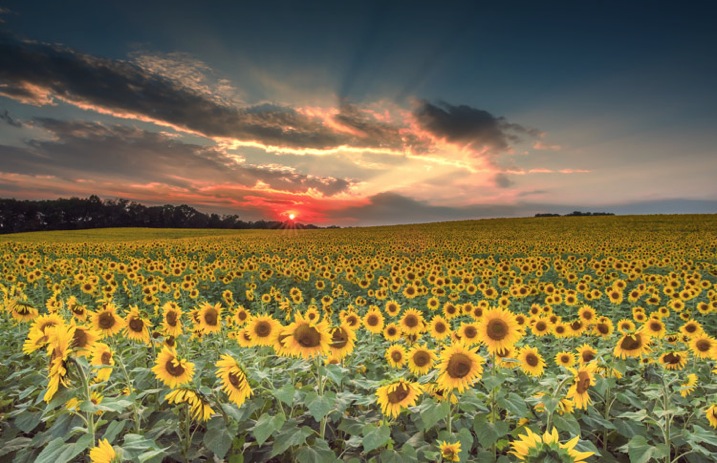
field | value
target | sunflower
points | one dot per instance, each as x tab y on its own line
587	314
263	330
498	329
565	359
450	310
243	338
136	327
312	313
106	320
531	362
626	326
103	453
654	328
632	345
36	339
210	318
561	330
540	327
459	368
392	308
234	381
674	360
711	414
703	346
533	448
373	320
450	452
391	332
586	354
59	347
171	319
396	396
396	355
171	370
467	333
241	316
411	322
578	392
343	340
691	328
83	339
439	328
103	359
420	360
688	387
199	407
306	339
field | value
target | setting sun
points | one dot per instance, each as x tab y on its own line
292	216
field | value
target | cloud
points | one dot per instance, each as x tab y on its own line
468	126
6	118
171	90
121	154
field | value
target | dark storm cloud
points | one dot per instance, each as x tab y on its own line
6	118
88	150
35	72
469	126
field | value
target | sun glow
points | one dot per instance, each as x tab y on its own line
292	216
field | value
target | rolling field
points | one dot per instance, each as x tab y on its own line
542	340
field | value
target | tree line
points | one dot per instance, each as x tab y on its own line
83	213
575	214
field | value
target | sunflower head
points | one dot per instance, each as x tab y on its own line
459	368
396	396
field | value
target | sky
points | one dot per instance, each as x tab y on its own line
359	113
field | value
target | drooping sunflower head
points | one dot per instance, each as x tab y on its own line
103	360
498	329
83	339
459	368
674	360
172	319
586	354
342	342
578	392
234	380
632	345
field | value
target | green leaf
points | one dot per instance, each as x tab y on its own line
27	421
432	412
488	433
290	437
114	405
567	423
113	430
515	404
639	450
638	416
335	373
266	425
318	452
375	437
218	438
57	451
466	440
699	435
320	406
285	394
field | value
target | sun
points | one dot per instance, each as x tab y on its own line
292	216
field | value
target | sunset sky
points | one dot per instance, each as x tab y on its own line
362	112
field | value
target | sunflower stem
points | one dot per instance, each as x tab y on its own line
90	415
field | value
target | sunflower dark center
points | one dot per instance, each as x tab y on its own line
339	339
397	395
171	318
576	325
107	320
410	321
352	320
541	326
703	345
235	380
565	359
262	329
587	355
169	341
532	360
690	328
307	336
470	332
241	316
588	315
396	356
172	369
655	326
79	339
372	320
106	358
136	325
672	358
211	316
583	382
603	328
633	342
497	330
421	358
391	331
440	327
459	365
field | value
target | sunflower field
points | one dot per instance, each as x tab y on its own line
562	339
